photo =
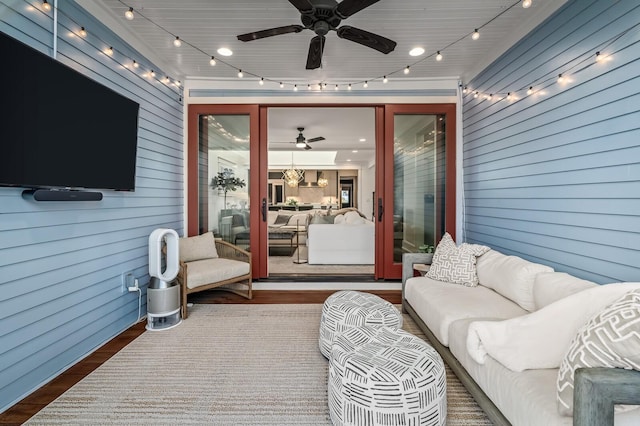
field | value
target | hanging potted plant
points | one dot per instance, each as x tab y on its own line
226	181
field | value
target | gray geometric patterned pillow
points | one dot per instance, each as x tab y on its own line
610	339
455	264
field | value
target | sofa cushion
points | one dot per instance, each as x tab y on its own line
440	303
198	247
511	276
282	219
339	219
353	218
455	264
549	287
525	398
610	339
540	339
298	219
207	271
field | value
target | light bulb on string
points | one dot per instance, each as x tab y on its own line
560	79
212	61
152	73
526	4
166	80
177	42
295	87
465	90
109	51
530	90
385	80
406	70
281	85
45	5
599	57
509	97
261	82
336	88
324	85
438	56
349	86
177	83
475	95
365	85
475	35
240	74
135	64
83	32
129	14
308	87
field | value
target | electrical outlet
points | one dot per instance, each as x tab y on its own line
128	280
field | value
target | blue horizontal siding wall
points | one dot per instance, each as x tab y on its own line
61	262
555	177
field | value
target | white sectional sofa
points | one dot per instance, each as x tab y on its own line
507	337
347	239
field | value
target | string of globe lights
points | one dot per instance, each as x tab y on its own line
132	13
123	60
565	74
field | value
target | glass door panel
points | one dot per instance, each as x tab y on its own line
420	159
224	171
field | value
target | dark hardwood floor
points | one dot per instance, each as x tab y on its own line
25	409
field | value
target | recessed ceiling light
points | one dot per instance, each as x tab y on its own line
354	151
225	51
363	140
416	51
348	159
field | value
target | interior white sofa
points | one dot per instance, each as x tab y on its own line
350	240
507	337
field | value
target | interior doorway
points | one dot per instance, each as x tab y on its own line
317	157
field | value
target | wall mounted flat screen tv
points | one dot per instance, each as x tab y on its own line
61	129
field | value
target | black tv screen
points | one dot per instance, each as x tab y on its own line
61	129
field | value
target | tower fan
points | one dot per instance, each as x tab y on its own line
163	293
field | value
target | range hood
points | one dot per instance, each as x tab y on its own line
310	178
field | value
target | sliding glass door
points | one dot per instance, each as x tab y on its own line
418	201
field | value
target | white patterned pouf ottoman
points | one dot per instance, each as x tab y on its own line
348	308
386	376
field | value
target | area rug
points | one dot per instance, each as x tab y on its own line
224	365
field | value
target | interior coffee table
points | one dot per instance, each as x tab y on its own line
242	239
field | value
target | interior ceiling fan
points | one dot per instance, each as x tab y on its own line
322	16
302	142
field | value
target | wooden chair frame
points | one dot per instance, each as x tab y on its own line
226	251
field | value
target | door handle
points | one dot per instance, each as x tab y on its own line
380	210
264	209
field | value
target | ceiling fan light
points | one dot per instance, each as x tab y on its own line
416	51
225	51
300	144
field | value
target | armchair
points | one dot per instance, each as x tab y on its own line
206	263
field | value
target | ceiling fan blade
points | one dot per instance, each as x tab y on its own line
314	58
304	6
319	138
365	38
349	7
307	147
271	32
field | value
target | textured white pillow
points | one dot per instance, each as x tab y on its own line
549	287
198	247
339	219
511	276
454	264
298	219
610	339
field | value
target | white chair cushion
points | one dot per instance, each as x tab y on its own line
207	271
549	287
353	218
511	276
198	247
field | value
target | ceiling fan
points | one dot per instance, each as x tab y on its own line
302	142
322	16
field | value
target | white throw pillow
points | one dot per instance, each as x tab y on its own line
353	218
197	248
610	339
339	219
511	276
455	264
298	219
549	287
